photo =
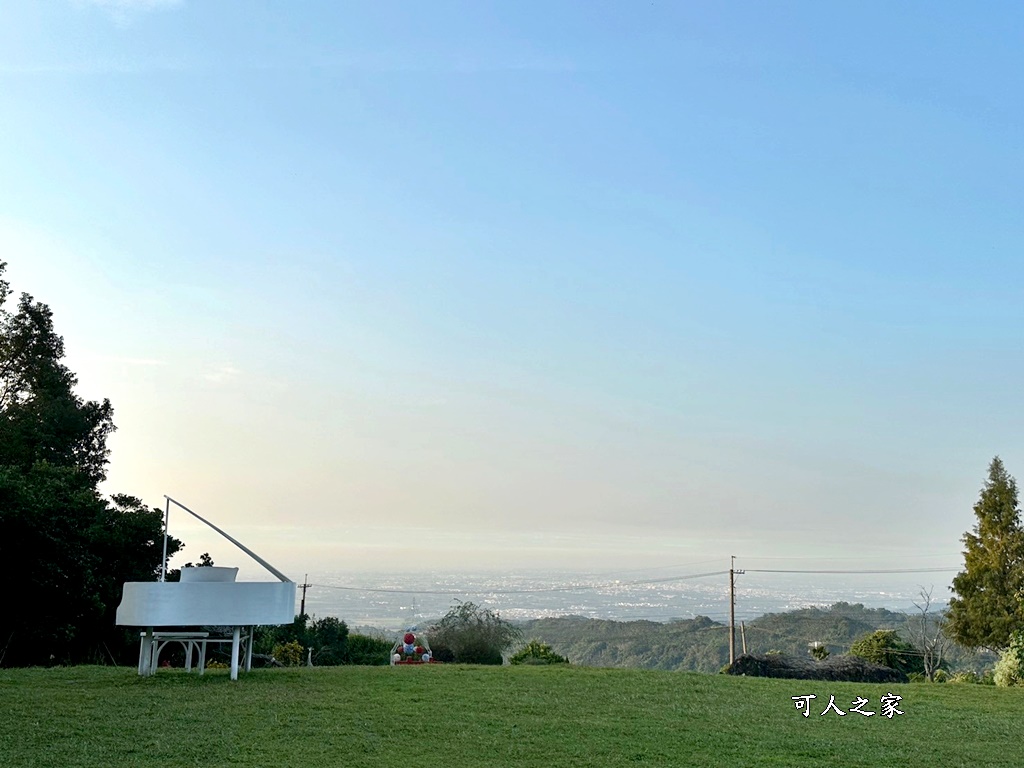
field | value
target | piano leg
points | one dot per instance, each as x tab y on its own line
248	649
235	637
146	653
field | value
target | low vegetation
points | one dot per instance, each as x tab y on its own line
852	669
472	634
537	653
322	642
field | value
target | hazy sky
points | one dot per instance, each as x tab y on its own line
517	284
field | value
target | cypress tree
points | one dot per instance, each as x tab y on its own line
987	607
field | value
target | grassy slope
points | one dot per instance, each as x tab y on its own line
472	716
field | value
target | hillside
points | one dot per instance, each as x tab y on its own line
702	645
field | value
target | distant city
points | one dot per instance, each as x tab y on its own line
395	601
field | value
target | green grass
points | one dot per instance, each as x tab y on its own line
445	716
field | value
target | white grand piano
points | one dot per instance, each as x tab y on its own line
205	596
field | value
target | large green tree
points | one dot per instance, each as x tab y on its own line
65	550
986	606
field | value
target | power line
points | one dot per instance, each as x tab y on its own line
885	570
544	590
887	556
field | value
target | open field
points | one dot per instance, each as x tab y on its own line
447	716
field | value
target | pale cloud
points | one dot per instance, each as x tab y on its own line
122	11
135	361
222	373
132	5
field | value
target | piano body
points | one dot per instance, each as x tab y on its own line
205	596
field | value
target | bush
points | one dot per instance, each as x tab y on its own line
536	652
837	668
819	652
469	634
368	651
289	654
885	647
965	676
1009	669
328	637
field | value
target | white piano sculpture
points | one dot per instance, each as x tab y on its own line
205	596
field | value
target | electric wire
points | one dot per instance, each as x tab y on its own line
543	590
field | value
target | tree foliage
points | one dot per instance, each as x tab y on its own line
368	650
64	549
985	609
43	419
537	653
887	648
1009	670
327	637
470	634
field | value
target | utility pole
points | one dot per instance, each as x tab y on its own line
732	609
305	584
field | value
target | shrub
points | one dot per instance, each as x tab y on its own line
1009	669
838	668
536	652
819	652
368	651
965	676
469	634
289	654
885	647
328	637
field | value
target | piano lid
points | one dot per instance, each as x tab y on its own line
227	536
207	595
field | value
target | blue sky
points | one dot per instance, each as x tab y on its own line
529	284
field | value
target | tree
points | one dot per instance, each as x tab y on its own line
927	632
174	574
42	418
985	609
469	634
64	550
327	638
885	647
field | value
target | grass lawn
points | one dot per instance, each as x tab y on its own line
446	716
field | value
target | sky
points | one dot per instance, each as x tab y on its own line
463	285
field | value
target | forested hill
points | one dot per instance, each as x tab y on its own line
701	644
